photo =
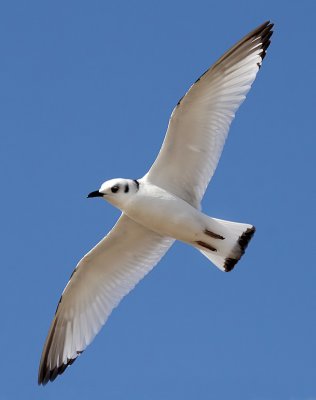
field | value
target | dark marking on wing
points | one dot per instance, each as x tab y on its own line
47	375
73	273
60	299
213	235
179	101
193	84
206	245
266	35
201	76
42	376
262	33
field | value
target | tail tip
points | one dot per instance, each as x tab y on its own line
230	264
245	238
243	242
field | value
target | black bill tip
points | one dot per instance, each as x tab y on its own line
96	193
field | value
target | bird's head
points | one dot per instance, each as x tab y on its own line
116	191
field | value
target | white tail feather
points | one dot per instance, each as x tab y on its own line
230	247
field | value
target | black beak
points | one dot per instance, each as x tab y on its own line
95	194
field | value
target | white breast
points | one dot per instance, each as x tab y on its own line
164	213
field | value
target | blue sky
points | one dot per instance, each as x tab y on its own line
86	92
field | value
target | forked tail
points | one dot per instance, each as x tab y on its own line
225	242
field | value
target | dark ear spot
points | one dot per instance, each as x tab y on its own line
115	188
126	188
136	183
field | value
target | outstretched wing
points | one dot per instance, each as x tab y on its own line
101	279
200	122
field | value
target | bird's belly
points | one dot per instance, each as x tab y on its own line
167	216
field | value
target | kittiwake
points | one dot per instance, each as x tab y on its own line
161	207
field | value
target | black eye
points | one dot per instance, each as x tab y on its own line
115	188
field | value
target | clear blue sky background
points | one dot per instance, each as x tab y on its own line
86	92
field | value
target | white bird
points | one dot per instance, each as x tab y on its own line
161	207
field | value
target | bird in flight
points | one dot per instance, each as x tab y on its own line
161	207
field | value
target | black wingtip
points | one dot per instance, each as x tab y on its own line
45	373
263	32
49	375
266	34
